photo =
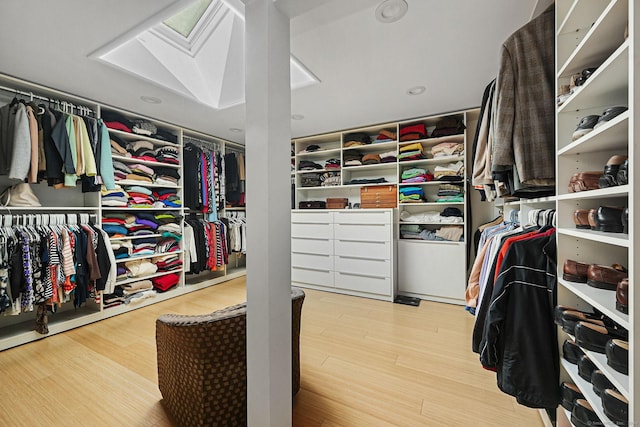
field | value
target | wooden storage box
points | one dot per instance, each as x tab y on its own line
337	202
379	196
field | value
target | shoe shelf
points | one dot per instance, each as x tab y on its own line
607	85
619	381
578	14
610	136
587	390
601	193
618	239
600	40
602	299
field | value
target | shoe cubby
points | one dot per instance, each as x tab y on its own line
593	33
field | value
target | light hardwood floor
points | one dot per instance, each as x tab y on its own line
364	363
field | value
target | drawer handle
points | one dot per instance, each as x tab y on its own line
359	257
361	275
310	238
310	253
379	242
312	269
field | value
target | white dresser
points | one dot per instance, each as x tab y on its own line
346	251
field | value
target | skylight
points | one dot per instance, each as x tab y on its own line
184	22
198	53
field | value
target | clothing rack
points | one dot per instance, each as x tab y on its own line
65	106
8	220
203	145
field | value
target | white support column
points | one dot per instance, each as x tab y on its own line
268	135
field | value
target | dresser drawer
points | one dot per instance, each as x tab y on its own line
311	217
353	248
369	267
361	283
312	277
359	217
324	231
308	245
318	262
363	232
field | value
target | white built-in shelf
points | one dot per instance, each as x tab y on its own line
151	164
437	242
374	146
617	239
302	172
600	193
320	154
128	209
115	239
586	388
430	203
606	86
147	277
429	223
434	182
146	184
135	137
602	299
613	135
458	139
436	161
378	166
620	381
578	16
238	208
604	36
375	184
536	201
153	255
48	209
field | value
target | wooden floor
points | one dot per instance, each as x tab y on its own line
364	363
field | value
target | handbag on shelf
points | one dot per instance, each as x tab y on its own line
19	195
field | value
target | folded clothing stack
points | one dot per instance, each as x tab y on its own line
167	244
385	136
453	233
140	172
416	175
141	224
114	299
352	158
388	157
411	194
167	154
310	180
166	176
171	230
448	215
118	121
448	126
332	164
413	132
445	149
330	179
143	127
450	172
166	198
135	287
411	152
356	139
139	197
168	263
140	267
167	217
145	246
142	150
164	283
371	159
118	146
122	249
450	193
307	165
120	170
116	197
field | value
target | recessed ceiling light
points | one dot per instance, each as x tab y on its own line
391	10
297	116
416	90
151	99
236	130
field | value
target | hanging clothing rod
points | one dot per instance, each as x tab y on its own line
31	95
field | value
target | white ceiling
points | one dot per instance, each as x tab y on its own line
365	67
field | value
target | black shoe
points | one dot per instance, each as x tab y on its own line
585	126
609	219
585	367
616	407
625	220
568	319
570	393
623	178
595	337
609	114
571	352
582	415
617	352
600	382
610	176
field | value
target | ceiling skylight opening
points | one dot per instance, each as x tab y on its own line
185	21
198	53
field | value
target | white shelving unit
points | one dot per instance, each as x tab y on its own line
591	34
17	330
414	257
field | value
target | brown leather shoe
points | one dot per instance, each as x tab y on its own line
575	271
602	277
622	296
591	218
581	219
584	181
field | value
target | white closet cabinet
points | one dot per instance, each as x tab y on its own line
349	252
592	34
